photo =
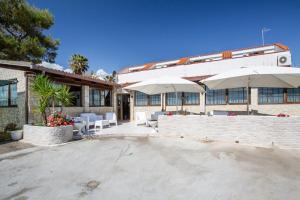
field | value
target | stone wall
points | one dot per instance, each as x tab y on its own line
262	131
14	114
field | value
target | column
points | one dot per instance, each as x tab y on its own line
132	106
114	100
202	102
85	98
254	99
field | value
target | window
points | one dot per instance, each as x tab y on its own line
4	97
191	98
293	95
107	97
154	100
8	93
237	95
184	98
141	99
270	95
215	97
100	97
76	91
171	99
94	97
256	53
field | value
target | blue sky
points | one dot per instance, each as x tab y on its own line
113	34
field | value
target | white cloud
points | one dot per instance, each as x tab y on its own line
52	66
68	70
101	73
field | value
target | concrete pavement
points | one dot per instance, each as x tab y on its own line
151	168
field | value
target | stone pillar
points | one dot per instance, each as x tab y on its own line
85	98
254	99
132	117
114	100
163	101
202	102
33	117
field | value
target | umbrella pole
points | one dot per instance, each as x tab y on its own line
176	98
176	102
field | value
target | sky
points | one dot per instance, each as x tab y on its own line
114	34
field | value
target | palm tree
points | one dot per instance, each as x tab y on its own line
48	92
109	78
79	64
44	90
64	96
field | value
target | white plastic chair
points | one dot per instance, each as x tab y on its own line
141	118
112	118
90	119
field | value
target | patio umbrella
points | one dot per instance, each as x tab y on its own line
165	84
259	76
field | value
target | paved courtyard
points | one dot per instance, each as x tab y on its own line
150	168
123	128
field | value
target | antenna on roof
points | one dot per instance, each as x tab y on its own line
263	30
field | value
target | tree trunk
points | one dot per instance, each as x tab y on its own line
53	109
44	115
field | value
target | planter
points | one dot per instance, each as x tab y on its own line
44	135
16	135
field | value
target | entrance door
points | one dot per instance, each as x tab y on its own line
123	106
126	106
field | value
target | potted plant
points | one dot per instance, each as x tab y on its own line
56	127
15	133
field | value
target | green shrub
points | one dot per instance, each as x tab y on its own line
10	127
4	136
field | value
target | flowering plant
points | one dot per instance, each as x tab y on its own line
282	115
169	113
231	114
58	119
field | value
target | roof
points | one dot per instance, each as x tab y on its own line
27	66
185	60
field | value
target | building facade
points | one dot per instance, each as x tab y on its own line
18	104
270	101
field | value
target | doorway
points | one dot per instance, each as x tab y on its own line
123	106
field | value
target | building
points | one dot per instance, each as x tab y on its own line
18	103
262	100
